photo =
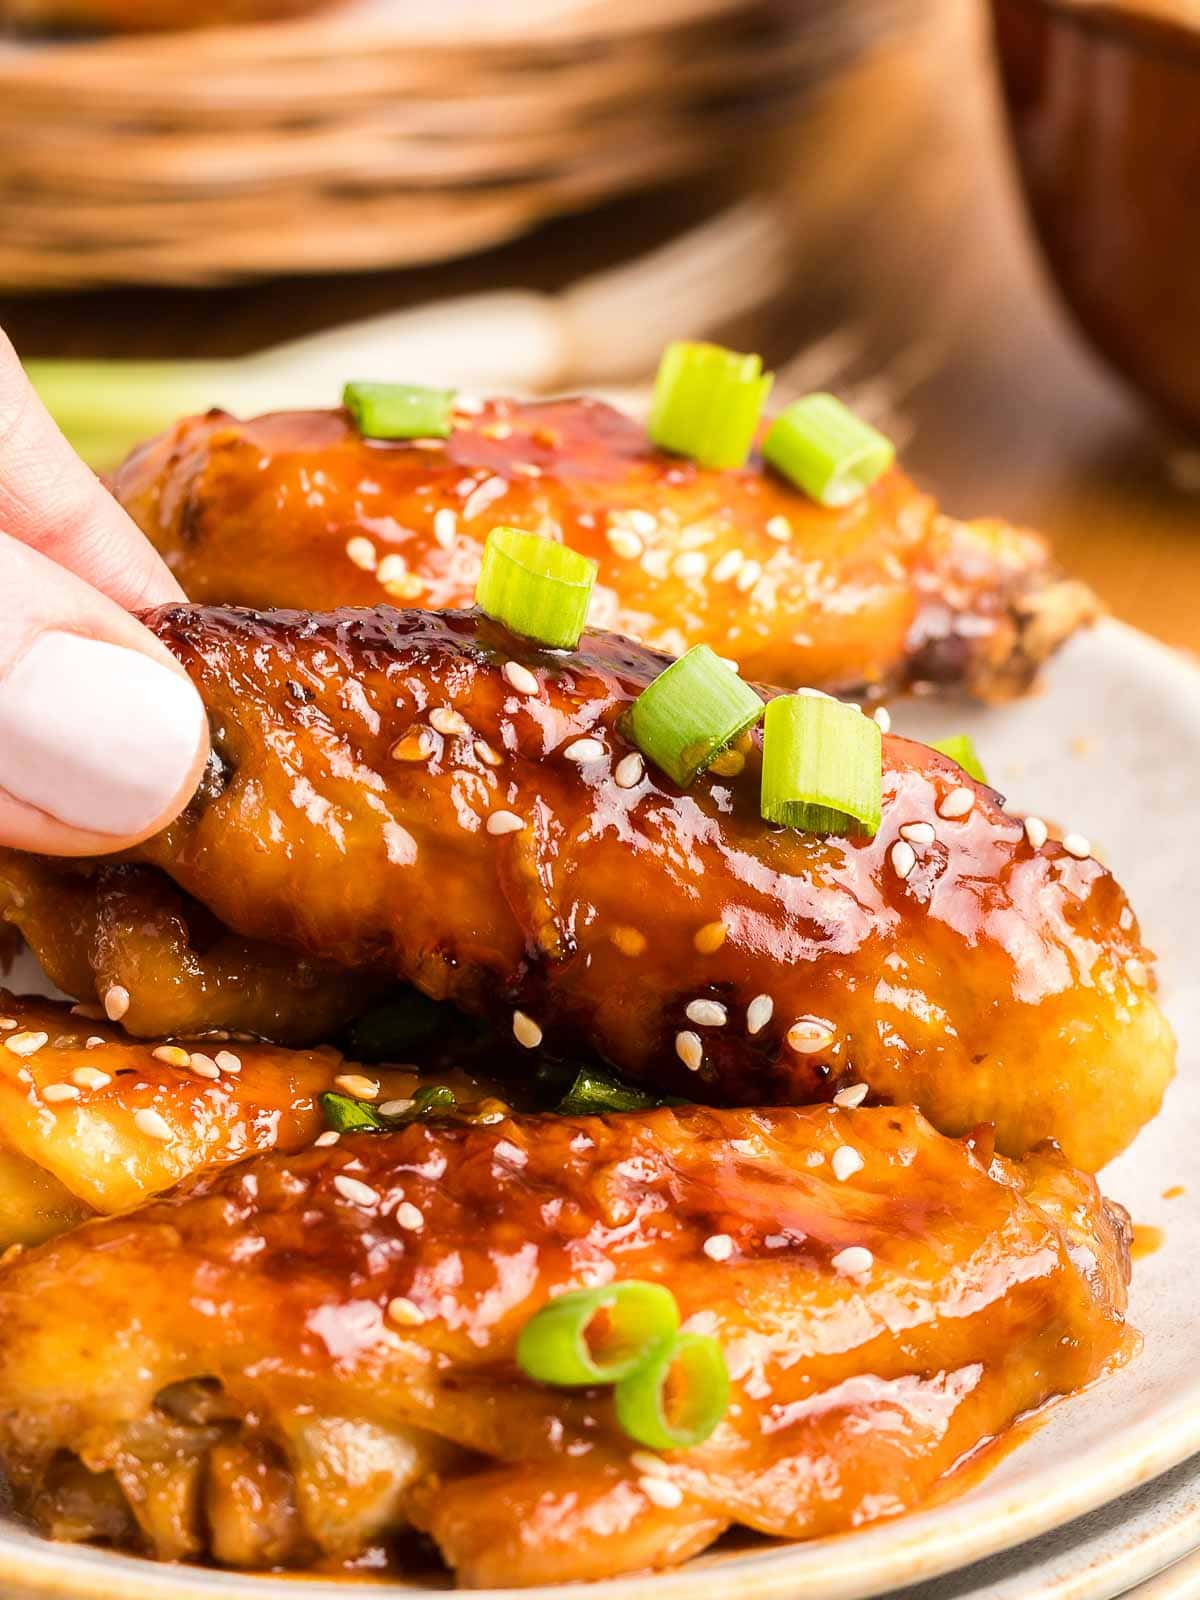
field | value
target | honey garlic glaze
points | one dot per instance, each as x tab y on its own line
358	758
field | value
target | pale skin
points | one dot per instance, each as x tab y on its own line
73	563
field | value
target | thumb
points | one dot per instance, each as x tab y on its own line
102	735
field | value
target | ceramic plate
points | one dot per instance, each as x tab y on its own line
1111	748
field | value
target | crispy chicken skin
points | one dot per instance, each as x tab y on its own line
996	982
294	1359
296	509
74	1091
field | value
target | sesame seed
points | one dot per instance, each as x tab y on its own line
846	1162
90	1078
1076	845
903	858
689	1049
203	1066
662	1492
395	1108
417	745
883	719
504	822
855	1260
630	771
707	1013
584	750
957	803
92	1013
406	586
779	528
1137	972
54	1092
1036	832
749	575
448	721
624	543
94	1042
526	1031
362	552
484	751
149	1122
7	1022
391	568
358	1194
728	566
228	1062
324	1140
852	1095
408	1216
646	1462
25	1044
691	564
481	498
172	1054
469	404
918	832
759	1012
116	1002
404	1313
655	563
354	1083
629	941
718	1247
643	522
519	678
809	1035
710	937
445	526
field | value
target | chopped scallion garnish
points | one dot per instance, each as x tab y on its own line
347	1115
597	1335
434	1100
594	1093
960	747
707	403
822	767
691	712
675	1399
535	587
826	450
399	410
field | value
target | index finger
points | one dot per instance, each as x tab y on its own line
51	501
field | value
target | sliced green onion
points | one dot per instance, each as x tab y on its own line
434	1100
399	410
686	717
594	1093
347	1115
535	587
822	767
598	1335
826	450
707	403
394	1030
960	747
676	1398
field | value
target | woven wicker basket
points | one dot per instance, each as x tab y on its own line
367	136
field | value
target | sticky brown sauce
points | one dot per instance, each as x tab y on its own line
1146	1240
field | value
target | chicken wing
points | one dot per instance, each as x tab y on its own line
296	509
137	16
295	1359
424	796
92	1121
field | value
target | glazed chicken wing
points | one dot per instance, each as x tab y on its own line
138	16
93	1121
420	796
294	1360
296	509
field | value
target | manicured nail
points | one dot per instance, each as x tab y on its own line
101	737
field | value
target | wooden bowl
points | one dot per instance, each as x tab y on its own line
1104	107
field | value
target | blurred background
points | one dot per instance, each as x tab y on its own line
538	195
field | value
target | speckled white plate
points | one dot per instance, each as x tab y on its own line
1110	748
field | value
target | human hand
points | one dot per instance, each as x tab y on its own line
102	735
